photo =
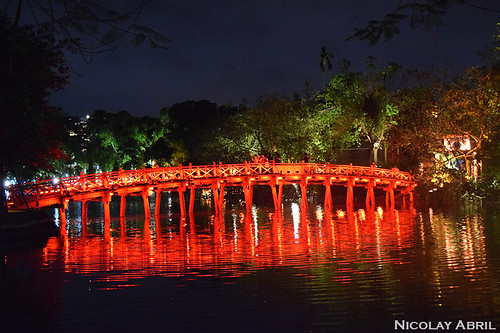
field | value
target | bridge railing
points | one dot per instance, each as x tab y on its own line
122	178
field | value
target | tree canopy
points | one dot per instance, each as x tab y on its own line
426	14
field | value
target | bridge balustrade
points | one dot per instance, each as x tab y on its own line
49	192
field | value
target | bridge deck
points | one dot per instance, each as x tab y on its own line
102	186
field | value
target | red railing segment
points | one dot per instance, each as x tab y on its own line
67	186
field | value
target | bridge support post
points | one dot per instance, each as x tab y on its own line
280	196
221	196
123	204
350	193
248	192
215	194
85	206
157	202
62	216
370	194
182	203
84	211
303	195
389	195
105	203
145	200
192	194
277	206
328	196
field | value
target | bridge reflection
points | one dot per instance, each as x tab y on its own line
233	244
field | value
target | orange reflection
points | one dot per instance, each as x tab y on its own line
232	245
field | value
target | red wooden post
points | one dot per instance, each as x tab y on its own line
181	201
145	200
303	192
248	192
157	202
328	196
123	204
105	201
370	194
215	194
83	183
280	196
192	194
62	216
389	194
275	197
84	211
350	192
221	196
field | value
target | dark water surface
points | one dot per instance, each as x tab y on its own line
298	271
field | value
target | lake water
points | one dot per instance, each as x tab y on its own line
298	271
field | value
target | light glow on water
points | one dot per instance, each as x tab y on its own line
341	270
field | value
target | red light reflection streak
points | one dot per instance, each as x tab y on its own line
277	225
350	236
307	231
331	233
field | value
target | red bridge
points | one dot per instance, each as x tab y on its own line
102	186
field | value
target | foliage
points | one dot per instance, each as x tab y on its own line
30	69
33	65
427	14
471	107
87	28
190	125
356	107
109	141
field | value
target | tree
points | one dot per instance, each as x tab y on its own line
418	134
31	68
428	14
325	62
470	107
84	27
189	124
110	141
357	107
33	65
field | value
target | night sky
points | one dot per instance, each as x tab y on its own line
224	51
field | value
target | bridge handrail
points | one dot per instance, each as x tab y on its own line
114	179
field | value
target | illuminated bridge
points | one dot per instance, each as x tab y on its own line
102	186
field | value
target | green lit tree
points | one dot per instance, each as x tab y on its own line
470	107
356	108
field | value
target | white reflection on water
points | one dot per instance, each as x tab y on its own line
296	220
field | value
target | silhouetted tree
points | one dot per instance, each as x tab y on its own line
325	63
33	65
428	14
190	124
30	69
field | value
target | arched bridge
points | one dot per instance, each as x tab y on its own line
102	186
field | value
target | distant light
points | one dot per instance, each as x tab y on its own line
88	116
55	181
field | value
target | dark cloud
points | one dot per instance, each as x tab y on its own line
225	51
